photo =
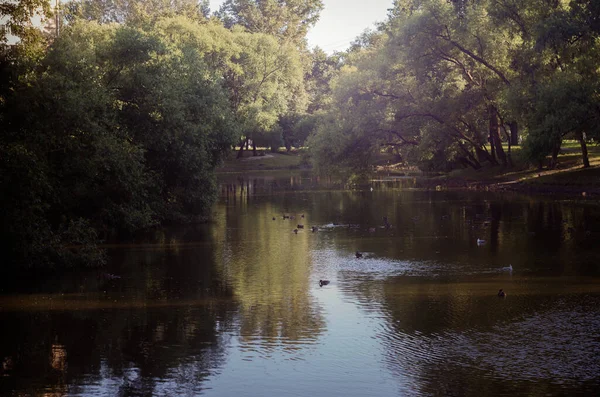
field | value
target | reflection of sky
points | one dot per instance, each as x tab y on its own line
346	361
418	314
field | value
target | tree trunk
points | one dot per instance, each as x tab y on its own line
514	133
241	151
484	155
495	135
584	151
509	141
469	163
554	158
492	149
470	159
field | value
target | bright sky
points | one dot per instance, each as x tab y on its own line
341	21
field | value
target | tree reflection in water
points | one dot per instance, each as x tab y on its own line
209	307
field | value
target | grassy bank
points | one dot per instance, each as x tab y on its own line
264	161
569	177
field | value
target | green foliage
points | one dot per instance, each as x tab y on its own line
116	129
134	13
288	20
19	15
445	84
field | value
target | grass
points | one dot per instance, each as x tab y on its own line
265	161
568	174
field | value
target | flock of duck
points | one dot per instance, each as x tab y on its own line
387	225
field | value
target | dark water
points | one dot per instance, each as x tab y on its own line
235	308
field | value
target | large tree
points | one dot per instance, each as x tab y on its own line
17	17
139	13
117	129
444	84
288	20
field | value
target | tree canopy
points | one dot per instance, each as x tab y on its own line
449	84
118	123
288	20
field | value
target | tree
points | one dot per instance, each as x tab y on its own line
565	97
19	15
138	13
288	20
266	83
117	129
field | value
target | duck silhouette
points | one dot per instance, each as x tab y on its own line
323	282
358	254
501	293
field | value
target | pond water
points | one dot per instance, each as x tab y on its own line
234	307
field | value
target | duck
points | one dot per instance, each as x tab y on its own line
386	223
314	229
501	293
323	282
480	241
359	255
300	226
372	230
109	276
295	231
273	218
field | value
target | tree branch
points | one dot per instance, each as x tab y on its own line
475	57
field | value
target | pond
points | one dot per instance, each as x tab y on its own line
234	307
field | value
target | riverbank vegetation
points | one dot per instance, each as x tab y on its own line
448	85
116	123
115	119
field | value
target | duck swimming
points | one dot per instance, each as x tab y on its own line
323	282
501	293
359	255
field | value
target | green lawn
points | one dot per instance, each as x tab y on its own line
265	161
570	171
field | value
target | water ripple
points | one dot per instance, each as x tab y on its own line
560	345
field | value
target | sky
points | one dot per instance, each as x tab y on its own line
341	21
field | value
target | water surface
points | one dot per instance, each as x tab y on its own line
234	307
